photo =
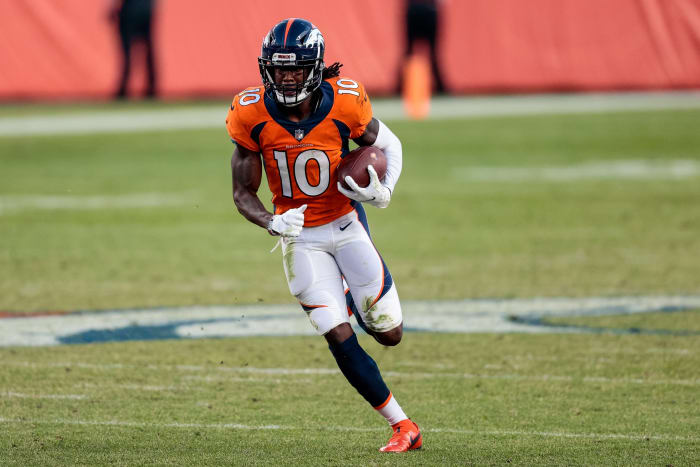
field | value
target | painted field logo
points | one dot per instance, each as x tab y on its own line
495	316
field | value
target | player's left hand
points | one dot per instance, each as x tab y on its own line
375	193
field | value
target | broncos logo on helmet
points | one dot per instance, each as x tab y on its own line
314	39
292	43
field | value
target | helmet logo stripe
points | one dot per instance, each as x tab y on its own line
286	31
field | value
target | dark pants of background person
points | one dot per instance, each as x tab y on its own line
422	24
135	21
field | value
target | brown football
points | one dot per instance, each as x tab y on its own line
355	165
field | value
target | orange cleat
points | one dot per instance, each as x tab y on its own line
406	437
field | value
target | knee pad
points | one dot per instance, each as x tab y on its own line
385	314
323	311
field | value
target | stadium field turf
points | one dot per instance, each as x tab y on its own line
524	206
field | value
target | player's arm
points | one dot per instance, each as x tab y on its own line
246	174
377	193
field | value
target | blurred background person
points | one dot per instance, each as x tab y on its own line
134	20
422	24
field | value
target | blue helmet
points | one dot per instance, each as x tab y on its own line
292	43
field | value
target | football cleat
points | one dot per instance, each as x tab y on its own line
406	437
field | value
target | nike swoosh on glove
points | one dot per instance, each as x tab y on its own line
375	193
288	224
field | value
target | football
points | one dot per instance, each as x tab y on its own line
355	165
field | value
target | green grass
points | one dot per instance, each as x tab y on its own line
443	237
579	399
481	399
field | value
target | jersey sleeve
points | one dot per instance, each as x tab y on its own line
239	126
356	107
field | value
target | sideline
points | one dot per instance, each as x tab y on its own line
213	116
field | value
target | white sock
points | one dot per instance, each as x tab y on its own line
392	411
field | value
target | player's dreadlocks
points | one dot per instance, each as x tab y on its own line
332	71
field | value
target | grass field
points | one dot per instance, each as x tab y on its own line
481	399
446	236
559	205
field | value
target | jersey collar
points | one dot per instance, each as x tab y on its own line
305	126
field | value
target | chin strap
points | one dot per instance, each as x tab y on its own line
282	101
313	95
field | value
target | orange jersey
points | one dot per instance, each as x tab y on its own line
301	158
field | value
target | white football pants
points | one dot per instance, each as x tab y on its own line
317	261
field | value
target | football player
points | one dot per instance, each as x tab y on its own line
297	126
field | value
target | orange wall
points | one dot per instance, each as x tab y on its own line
68	48
573	44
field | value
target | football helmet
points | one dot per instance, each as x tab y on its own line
292	43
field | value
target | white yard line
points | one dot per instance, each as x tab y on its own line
597	170
188	387
239	426
213	116
135	387
18	203
12	394
669	351
335	371
236	379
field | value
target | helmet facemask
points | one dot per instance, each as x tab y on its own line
291	95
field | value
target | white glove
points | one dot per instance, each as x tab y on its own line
289	223
375	193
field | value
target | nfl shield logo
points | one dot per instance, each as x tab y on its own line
299	134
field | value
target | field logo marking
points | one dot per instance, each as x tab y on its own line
458	316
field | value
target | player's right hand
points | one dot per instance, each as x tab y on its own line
289	223
375	193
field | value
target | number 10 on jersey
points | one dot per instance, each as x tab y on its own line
300	172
